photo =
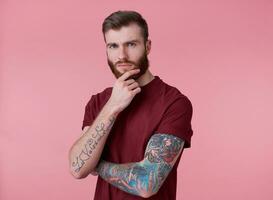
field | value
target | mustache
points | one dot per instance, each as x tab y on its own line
124	62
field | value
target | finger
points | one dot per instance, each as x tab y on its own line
133	86
129	81
128	74
136	90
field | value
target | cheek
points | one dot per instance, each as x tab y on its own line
135	54
111	56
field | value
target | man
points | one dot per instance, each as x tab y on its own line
134	133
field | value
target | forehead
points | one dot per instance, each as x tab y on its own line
124	34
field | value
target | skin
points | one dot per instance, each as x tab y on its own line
100	130
127	46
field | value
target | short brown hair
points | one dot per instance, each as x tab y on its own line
123	18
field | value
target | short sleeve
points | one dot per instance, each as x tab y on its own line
176	120
89	114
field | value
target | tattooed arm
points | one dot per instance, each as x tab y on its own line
144	178
86	151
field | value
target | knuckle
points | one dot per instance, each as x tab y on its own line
122	84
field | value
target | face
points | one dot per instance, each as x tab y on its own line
126	50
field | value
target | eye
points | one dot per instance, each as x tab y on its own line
131	44
112	46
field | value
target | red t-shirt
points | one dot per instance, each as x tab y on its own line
158	108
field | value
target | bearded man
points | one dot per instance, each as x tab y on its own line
133	133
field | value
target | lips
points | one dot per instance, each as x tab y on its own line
124	65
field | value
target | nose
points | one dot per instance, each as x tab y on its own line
122	53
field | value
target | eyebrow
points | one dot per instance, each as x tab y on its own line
130	41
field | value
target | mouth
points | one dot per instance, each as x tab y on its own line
124	65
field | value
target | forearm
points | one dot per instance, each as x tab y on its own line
86	151
139	178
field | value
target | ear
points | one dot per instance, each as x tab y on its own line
148	46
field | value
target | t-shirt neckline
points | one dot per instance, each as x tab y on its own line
151	83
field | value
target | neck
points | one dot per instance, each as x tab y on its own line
146	78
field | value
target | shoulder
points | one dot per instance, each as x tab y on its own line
100	97
103	94
174	97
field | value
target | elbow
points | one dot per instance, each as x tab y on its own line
76	172
79	170
147	195
78	175
81	173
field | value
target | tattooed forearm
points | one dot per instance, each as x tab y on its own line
163	148
146	177
134	178
100	130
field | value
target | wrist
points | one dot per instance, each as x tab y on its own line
112	109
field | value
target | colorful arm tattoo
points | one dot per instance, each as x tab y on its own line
146	177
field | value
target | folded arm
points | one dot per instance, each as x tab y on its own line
144	178
85	153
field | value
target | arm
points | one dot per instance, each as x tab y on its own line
144	178
85	153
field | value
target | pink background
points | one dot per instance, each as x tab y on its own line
219	53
